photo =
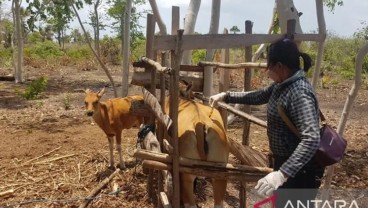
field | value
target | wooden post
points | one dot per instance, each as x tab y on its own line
174	105
248	73
150	32
224	79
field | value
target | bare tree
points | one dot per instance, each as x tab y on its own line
189	25
126	47
286	11
214	26
156	14
19	41
96	28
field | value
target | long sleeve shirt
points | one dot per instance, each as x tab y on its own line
299	101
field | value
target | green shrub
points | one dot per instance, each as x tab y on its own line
35	88
44	50
34	37
139	49
79	53
198	55
6	57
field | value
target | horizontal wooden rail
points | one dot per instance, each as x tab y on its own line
243	115
223	41
233	66
233	175
165	158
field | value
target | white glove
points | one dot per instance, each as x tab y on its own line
270	183
214	99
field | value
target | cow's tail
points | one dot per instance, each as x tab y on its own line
202	146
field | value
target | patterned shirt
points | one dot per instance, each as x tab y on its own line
299	101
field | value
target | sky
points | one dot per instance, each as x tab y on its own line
344	21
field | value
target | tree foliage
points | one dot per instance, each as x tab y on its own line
234	29
116	12
331	4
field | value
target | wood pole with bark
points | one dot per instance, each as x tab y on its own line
321	43
98	188
345	113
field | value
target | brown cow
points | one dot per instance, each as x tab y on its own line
201	136
112	117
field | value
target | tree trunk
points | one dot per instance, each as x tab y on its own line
126	47
19	41
97	28
156	13
214	26
189	25
286	10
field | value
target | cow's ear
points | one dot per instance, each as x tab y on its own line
87	90
101	92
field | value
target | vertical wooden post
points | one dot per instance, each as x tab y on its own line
225	79
174	105
248	73
150	33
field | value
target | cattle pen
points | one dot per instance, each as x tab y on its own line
171	71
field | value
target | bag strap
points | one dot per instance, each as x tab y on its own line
291	126
287	121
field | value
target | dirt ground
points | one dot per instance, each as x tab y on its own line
53	157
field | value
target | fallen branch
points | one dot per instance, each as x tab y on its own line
5	193
47	153
53	159
98	188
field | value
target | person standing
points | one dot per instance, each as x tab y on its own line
294	166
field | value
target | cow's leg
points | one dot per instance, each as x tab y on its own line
118	148
219	190
186	190
111	149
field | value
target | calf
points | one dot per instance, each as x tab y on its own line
112	117
202	136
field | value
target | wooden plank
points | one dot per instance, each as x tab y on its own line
233	66
220	41
191	68
243	115
164	200
234	175
166	158
151	101
175	19
144	79
174	108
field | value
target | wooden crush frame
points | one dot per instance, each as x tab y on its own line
176	43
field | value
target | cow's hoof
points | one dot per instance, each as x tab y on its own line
121	166
111	167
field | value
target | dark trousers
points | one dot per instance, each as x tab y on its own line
299	189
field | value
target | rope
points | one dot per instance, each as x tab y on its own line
60	200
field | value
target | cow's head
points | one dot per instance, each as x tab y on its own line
185	89
92	100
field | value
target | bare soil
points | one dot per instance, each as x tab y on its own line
53	157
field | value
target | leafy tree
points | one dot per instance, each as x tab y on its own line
57	13
116	11
362	33
234	29
331	4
